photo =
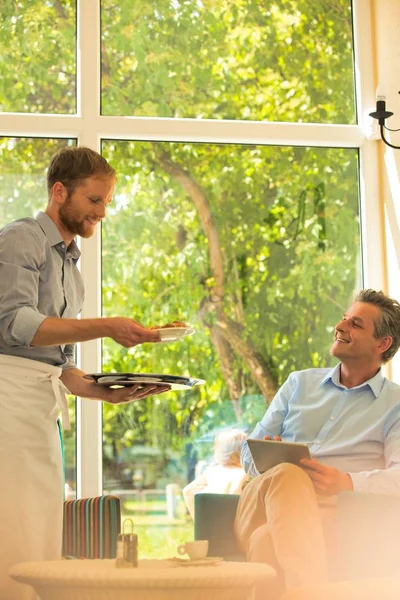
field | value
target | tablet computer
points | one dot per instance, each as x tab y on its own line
268	453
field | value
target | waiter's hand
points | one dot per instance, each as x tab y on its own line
327	481
128	332
74	380
136	392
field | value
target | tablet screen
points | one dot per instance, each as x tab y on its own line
268	453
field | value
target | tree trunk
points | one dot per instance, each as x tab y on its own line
226	357
226	329
259	368
200	200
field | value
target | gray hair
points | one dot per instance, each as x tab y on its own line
228	445
389	322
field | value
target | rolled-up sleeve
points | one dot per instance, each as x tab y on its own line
21	256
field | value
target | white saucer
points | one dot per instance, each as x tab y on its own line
201	562
172	334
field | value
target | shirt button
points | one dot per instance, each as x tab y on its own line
332	418
317	441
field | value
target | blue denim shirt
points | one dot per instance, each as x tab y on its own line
39	278
356	430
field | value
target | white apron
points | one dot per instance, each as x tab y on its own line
31	478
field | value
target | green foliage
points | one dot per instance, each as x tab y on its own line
288	226
23	163
286	60
162	542
37	56
287	218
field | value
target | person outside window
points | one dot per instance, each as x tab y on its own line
226	475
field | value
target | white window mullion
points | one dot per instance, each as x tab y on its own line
89	422
372	225
90	129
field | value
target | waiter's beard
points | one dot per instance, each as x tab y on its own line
71	222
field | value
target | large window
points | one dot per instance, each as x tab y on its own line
283	61
274	233
242	207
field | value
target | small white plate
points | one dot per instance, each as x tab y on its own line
131	382
202	562
117	380
172	334
112	379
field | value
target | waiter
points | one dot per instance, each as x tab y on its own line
41	294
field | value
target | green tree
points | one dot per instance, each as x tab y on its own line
37	56
256	246
280	60
285	234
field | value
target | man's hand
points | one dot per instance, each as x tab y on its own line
276	438
327	481
128	332
136	392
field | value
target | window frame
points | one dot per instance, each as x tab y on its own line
90	128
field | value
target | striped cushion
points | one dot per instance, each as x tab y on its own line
91	527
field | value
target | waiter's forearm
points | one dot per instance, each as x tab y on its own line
73	380
55	331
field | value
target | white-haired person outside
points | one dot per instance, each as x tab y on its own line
225	475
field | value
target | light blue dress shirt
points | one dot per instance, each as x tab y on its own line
39	278
356	430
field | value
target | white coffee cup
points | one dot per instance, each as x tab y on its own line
196	550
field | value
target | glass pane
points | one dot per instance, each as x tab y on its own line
23	192
287	60
38	45
256	247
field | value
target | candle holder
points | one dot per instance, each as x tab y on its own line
381	114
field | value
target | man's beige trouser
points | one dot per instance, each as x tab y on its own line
281	521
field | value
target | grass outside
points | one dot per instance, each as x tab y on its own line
158	534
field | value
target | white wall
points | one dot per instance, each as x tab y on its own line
386	41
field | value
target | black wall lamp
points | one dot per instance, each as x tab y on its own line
381	114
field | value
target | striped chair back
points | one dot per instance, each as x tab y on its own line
91	527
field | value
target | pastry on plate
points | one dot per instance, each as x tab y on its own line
169	325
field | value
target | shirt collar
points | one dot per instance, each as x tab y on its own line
54	236
375	383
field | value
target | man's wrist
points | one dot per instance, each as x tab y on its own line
94	329
104	327
94	391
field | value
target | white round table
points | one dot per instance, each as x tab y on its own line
152	580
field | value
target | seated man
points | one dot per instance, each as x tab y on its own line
349	417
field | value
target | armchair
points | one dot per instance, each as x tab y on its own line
368	532
214	516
